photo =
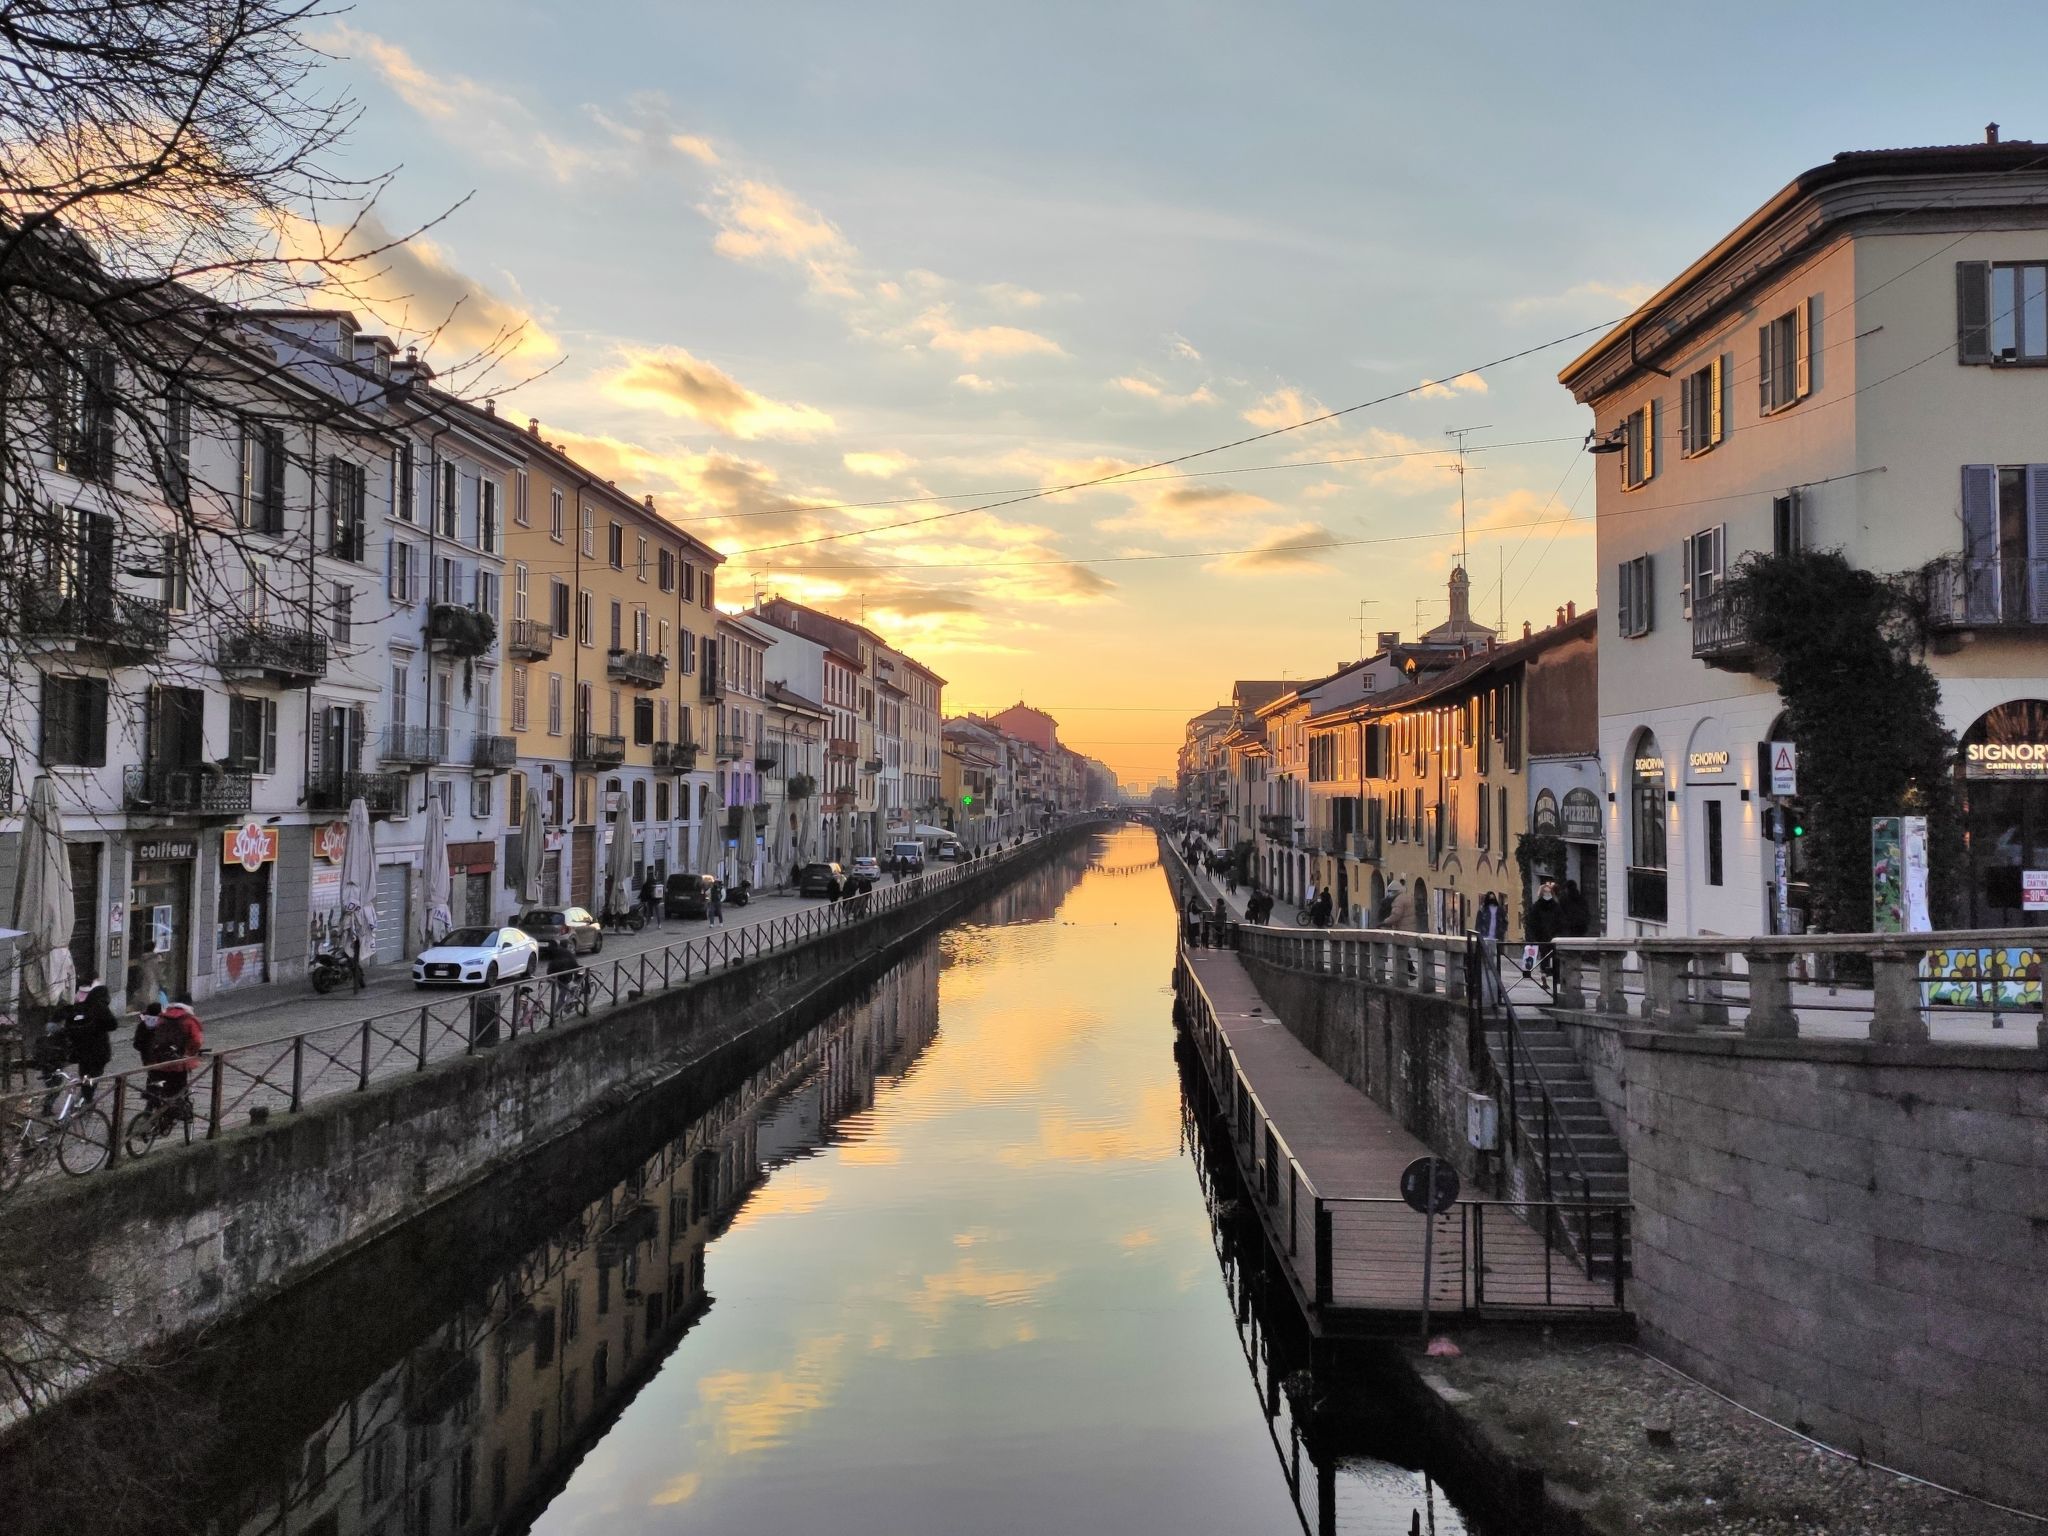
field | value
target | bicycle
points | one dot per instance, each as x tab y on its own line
69	1126
165	1107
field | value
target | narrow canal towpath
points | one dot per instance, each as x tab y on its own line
1330	1141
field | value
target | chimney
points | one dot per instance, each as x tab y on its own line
647	501
1571	611
1389	638
533	426
1991	133
1525	629
490	407
1560	617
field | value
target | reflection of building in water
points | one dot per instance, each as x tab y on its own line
485	1418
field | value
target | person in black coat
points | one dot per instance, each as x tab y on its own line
1544	924
92	1033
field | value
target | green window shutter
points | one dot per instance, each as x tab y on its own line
1973	311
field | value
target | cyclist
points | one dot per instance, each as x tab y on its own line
168	1040
92	1033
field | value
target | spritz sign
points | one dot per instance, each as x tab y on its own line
251	845
330	843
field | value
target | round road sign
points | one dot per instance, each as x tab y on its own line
1416	1185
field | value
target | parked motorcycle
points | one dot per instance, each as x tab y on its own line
329	969
633	919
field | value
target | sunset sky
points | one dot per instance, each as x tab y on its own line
772	259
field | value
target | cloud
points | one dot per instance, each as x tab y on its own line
1444	389
974	383
698	149
1620	297
647	123
972	343
761	223
670	379
1011	296
1290	549
884	464
1184	349
1285	408
1145	389
1187	511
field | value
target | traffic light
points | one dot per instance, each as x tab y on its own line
1778	821
1770	823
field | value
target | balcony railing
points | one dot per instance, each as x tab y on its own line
637	669
382	794
6	785
492	754
841	746
766	755
424	744
593	750
1720	633
678	755
112	621
710	685
531	640
155	791
873	764
731	748
454	630
293	657
844	799
1647	898
1965	593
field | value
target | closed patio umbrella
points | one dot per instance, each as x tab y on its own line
710	812
440	886
359	878
532	848
42	903
618	867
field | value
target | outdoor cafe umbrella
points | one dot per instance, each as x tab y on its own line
618	897
440	886
42	902
710	810
532	848
359	877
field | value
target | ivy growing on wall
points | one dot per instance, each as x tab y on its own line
1845	647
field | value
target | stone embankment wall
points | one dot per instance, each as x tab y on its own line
191	1236
1853	1240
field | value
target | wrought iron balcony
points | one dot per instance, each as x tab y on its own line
636	669
382	794
1720	633
1965	594
199	791
420	744
731	748
710	685
6	785
492	754
842	746
117	624
454	630
766	754
844	799
762	811
593	750
873	764
287	656
530	640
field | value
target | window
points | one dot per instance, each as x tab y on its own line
448	581
663	644
178	572
404	473
487	514
688	651
590	533
1713	829
519	679
252	735
1647	829
1480	838
661	800
451	501
75	721
616	549
403	573
342	622
612	727
1788	524
178	444
689	582
1701	419
585	622
643	721
558	608
487	593
640	798
640	642
346	520
82	431
555	515
554	703
520	515
710	591
1639	446
395	701
617	625
1705	566
640	559
661	734
1635	597
665	569
480	796
259	502
1785	357
519	589
2002	312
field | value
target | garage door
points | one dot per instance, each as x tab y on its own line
394	883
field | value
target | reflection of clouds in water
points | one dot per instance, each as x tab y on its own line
755	1411
1144	1237
679	1490
788	1193
1150	1133
968	1281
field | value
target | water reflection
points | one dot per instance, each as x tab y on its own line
938	1266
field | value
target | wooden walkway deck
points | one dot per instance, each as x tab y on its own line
1319	1150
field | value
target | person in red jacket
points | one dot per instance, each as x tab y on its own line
168	1039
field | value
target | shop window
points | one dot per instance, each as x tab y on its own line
1713	836
244	906
1647	825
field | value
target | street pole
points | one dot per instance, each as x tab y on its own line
1781	856
1428	1244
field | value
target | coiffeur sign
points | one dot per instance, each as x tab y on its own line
251	845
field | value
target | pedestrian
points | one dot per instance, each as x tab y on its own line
1542	927
1323	906
1230	876
1194	919
1491	925
1578	912
716	914
650	900
92	1032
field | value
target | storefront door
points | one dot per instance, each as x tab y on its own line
85	907
394	913
160	916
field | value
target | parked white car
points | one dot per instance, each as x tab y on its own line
478	957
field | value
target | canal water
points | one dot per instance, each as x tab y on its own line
955	1261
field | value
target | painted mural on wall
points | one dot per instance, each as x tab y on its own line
1971	977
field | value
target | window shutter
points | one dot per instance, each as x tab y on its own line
1980	541
1973	311
1688	570
90	724
1650	414
1689	436
1645	617
1717	377
2037	541
357	729
1626	606
273	480
1764	370
1804	317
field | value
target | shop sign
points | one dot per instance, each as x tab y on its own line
1582	816
551	842
1708	764
2006	760
1649	767
167	850
251	845
330	843
2034	890
1543	818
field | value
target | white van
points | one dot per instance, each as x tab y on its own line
908	855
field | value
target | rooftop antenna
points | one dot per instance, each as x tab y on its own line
1363	604
1461	433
